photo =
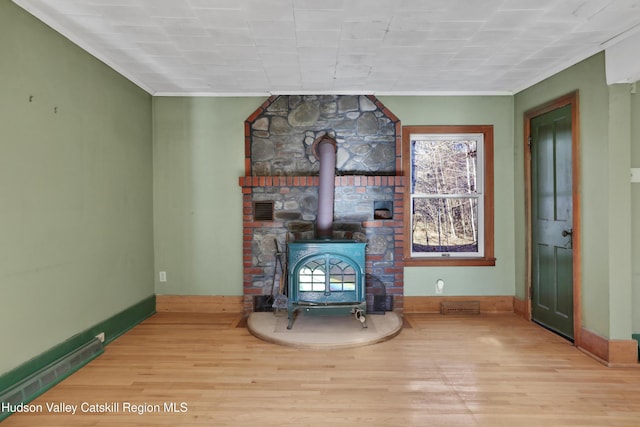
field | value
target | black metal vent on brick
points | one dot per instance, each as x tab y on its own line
263	211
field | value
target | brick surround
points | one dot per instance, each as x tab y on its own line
294	190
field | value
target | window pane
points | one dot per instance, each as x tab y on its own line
444	166
445	225
342	277
312	277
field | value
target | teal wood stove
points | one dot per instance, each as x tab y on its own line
326	277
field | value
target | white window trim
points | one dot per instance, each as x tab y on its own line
479	195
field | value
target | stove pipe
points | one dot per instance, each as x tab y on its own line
325	150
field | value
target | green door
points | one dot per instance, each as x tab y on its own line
552	222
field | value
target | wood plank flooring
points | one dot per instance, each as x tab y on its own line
486	370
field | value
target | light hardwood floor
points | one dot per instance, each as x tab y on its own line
486	370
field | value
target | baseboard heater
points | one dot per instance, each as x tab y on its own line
45	378
460	307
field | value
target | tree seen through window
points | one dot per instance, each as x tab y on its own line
445	203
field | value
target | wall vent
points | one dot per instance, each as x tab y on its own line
460	307
263	211
34	385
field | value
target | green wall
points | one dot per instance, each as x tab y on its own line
605	192
635	207
619	203
75	189
463	110
198	156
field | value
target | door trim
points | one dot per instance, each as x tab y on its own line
573	100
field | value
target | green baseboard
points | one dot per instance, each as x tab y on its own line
112	327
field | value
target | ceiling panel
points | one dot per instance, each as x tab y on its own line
249	47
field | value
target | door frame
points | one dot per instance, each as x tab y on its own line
573	100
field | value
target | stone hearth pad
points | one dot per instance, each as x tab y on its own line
324	331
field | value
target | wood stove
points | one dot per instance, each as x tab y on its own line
326	277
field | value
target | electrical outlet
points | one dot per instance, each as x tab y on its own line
100	336
163	276
439	286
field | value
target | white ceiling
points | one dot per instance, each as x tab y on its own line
258	47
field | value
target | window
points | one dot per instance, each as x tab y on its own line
449	196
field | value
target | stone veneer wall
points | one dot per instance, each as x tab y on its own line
282	131
281	168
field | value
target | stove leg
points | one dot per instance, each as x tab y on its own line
361	317
292	317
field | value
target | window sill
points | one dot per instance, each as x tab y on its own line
450	262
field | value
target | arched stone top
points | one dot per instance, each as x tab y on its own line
279	135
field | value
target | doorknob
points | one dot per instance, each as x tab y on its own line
566	233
